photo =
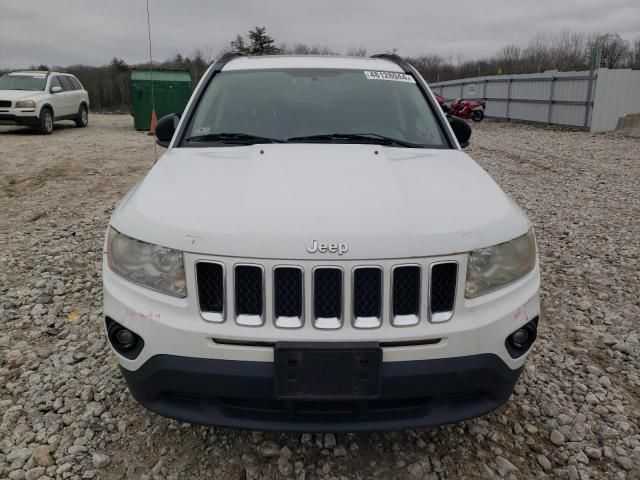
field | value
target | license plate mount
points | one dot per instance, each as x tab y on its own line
327	371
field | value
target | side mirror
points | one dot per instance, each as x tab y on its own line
165	128
56	89
461	130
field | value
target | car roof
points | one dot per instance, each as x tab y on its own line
311	61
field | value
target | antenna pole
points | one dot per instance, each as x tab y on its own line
153	98
153	103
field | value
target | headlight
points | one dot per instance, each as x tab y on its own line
492	267
26	104
153	266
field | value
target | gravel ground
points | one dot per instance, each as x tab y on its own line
65	411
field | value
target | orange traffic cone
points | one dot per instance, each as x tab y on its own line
154	122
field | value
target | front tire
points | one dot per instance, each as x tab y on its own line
82	119
46	121
477	115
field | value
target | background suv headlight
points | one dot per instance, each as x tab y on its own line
492	267
26	104
152	266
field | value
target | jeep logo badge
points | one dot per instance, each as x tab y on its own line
316	247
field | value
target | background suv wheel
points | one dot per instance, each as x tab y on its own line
46	121
82	119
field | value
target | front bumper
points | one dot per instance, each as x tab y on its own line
29	119
240	394
223	373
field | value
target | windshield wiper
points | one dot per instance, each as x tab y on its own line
358	137
234	138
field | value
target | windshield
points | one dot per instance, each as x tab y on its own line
23	82
327	105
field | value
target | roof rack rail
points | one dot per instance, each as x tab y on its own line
224	59
397	59
30	70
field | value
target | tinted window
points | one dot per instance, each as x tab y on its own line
76	84
23	82
55	82
66	83
298	102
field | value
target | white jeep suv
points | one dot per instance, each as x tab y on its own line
38	99
314	252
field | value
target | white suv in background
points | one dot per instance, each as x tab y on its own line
38	99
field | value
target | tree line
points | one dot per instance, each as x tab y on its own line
109	86
565	51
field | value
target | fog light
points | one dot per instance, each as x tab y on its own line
519	337
127	343
520	341
125	338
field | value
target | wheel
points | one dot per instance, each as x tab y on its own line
46	121
82	119
477	115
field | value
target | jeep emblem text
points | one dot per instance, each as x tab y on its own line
339	248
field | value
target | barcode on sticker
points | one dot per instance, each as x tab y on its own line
394	76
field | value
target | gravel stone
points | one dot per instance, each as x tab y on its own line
593	452
42	456
504	466
624	462
34	473
269	449
329	440
544	462
339	451
286	453
284	467
17	474
19	455
100	460
556	437
416	471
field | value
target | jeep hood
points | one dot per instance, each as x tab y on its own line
271	201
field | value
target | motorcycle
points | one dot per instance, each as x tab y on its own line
442	102
468	109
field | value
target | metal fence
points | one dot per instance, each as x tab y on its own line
552	97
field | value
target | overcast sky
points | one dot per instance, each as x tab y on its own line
65	32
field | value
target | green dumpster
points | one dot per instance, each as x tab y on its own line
171	92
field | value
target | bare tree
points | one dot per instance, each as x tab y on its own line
357	52
537	56
614	50
569	51
510	59
634	58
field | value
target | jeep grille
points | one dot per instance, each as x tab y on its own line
364	295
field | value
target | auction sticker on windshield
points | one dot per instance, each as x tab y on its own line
394	76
